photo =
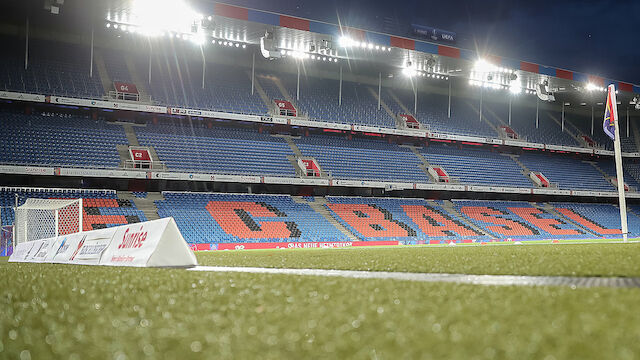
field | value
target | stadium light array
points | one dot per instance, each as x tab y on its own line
410	71
513	88
228	43
484	66
301	55
156	16
198	38
347	42
594	87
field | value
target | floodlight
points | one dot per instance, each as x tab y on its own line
108	25
483	65
591	87
345	41
515	89
244	46
410	72
157	15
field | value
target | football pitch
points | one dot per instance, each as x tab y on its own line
80	312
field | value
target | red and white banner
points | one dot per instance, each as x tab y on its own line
283	104
140	154
127	88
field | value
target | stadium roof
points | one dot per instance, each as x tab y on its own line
295	34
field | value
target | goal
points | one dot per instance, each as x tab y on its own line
45	218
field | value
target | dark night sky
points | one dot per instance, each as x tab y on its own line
597	37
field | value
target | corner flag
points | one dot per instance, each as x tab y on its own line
610	116
611	128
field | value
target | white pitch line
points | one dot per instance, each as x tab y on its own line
501	280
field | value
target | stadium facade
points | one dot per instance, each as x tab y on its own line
253	127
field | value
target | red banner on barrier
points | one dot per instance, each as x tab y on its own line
140	155
301	245
126	88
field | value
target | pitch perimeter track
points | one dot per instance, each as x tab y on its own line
495	280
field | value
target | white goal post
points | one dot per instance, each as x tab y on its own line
46	218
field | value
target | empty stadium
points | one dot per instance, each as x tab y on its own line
376	152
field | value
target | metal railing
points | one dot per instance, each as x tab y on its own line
144	165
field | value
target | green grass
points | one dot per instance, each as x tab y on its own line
569	260
81	312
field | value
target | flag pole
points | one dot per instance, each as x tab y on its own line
618	156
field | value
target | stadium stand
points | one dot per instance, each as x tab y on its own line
116	65
102	208
63	140
177	81
219	218
609	167
432	112
523	122
408	220
566	172
319	99
362	158
221	150
582	124
600	219
516	219
236	218
54	68
476	165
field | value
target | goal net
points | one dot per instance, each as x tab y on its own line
45	218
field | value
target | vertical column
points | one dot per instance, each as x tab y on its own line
91	60
449	108
563	103
415	99
510	101
537	112
253	72
481	94
204	65
627	121
591	120
298	85
150	57
379	89
340	89
26	46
